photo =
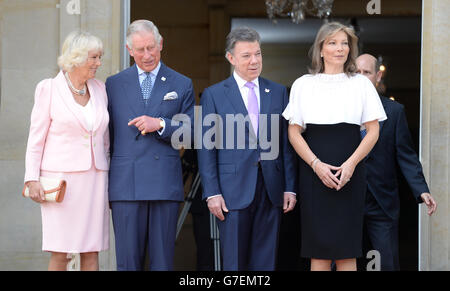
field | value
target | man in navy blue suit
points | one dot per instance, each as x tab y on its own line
247	182
393	149
145	177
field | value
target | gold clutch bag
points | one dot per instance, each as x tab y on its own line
54	189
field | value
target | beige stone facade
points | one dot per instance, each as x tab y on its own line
31	35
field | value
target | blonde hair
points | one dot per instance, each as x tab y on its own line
328	30
75	49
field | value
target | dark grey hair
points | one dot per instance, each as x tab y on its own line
242	33
142	25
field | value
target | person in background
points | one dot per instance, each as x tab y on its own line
394	149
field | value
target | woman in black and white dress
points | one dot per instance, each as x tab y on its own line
326	111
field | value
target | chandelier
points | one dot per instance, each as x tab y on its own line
296	9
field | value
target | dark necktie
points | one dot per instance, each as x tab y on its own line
147	87
363	133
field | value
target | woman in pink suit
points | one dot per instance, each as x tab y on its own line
69	139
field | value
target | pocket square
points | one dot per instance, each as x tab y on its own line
171	96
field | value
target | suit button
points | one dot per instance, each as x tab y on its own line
256	164
156	157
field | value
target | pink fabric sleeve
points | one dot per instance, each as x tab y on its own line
40	123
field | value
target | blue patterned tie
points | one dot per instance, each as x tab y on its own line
363	133
147	87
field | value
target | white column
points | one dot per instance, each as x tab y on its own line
434	253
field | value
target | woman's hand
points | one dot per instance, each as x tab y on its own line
346	172
323	171
36	191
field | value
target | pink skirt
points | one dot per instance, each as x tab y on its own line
80	223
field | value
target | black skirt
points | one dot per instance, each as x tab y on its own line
332	221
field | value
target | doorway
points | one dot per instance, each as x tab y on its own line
396	39
397	42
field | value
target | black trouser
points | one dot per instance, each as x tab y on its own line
382	232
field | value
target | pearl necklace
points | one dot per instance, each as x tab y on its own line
81	92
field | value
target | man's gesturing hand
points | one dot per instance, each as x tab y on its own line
146	124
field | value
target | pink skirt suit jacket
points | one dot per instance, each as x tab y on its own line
61	145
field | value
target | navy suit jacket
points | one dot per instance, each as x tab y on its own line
146	167
233	172
393	149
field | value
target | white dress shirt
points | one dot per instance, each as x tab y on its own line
142	74
244	90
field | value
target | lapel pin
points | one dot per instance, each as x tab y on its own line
267	90
163	79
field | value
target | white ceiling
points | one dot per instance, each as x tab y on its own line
371	30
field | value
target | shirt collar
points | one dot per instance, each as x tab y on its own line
154	72
241	82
